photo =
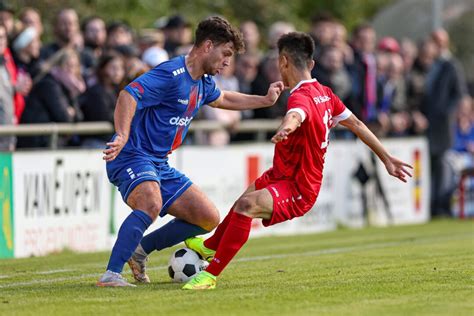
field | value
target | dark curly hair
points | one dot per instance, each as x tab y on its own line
219	31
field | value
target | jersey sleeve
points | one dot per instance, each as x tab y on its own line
150	88
300	104
211	90
339	110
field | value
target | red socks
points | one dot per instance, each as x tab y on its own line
235	230
213	241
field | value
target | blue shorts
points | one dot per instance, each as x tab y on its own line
127	171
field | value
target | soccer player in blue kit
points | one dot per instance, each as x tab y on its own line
152	117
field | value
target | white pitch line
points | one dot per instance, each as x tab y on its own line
54	271
258	258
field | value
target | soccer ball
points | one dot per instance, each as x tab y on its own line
184	264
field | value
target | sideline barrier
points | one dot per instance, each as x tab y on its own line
58	200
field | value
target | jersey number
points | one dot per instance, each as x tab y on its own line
326	118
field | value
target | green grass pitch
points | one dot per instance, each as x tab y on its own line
406	270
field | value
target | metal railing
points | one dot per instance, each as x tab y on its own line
260	127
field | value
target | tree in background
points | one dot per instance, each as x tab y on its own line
143	13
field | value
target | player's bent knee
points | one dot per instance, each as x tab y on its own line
153	210
246	206
150	207
210	221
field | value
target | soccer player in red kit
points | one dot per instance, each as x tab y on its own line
290	188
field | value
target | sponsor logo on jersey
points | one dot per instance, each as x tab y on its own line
321	99
178	71
184	102
181	121
138	88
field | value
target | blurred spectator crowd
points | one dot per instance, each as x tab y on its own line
397	87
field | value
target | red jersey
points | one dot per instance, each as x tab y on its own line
301	156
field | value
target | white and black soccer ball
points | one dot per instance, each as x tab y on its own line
184	264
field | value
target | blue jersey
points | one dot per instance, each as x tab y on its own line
167	100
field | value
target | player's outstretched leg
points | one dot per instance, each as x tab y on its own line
213	241
197	244
236	233
234	238
203	281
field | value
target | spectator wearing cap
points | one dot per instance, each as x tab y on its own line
31	17
26	50
98	102
385	48
178	33
7	18
151	43
388	45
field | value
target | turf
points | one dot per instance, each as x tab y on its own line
408	270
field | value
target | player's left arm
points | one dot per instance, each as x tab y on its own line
291	122
231	100
394	166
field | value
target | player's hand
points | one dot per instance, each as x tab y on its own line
281	135
274	92
114	148
398	169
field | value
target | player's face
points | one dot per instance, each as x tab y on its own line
219	57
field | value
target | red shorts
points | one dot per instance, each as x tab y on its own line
288	202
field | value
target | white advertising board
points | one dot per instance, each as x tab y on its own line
62	201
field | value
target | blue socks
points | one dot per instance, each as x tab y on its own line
129	236
170	234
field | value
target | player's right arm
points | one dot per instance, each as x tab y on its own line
123	115
394	166
291	122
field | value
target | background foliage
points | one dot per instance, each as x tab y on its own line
143	13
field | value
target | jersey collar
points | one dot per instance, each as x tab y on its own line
302	82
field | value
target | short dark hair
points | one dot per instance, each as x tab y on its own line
219	31
299	47
322	17
362	27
